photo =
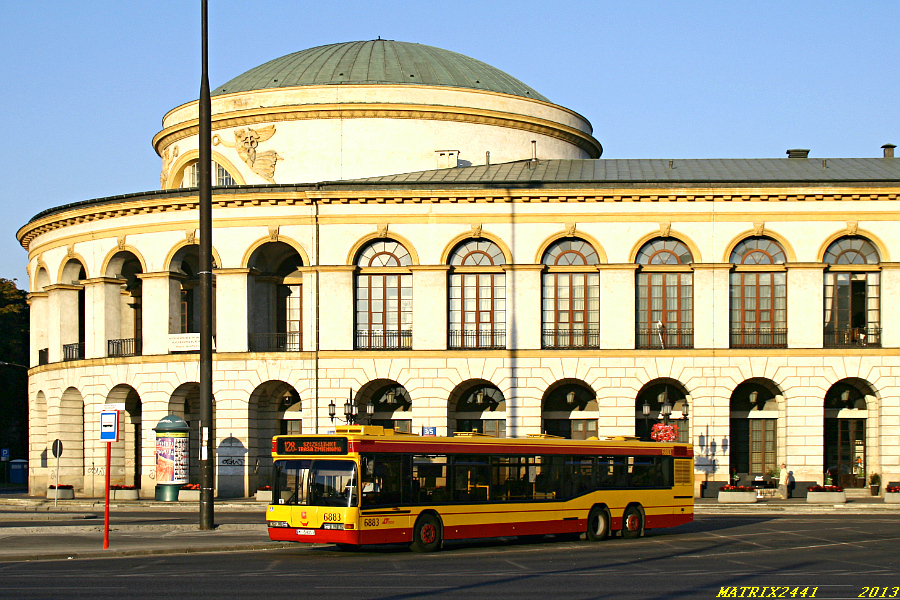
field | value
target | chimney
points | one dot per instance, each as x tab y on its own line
798	153
889	150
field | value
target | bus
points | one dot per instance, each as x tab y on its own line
371	485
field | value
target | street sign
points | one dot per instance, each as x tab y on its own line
109	426
56	449
4	454
431	431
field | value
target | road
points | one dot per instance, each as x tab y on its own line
823	556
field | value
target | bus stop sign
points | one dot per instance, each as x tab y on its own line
56	448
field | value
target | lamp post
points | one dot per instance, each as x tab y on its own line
666	408
646	410
351	412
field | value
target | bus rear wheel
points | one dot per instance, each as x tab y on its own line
597	524
426	534
632	522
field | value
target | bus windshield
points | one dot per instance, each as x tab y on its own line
316	482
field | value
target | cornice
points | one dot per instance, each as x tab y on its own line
422	112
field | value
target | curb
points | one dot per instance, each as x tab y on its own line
148	552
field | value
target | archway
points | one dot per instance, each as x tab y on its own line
657	400
276	298
754	411
569	410
846	411
274	409
125	458
126	266
477	405
66	424
185	403
391	404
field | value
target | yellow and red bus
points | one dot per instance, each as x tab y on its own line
369	485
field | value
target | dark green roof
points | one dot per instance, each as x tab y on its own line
830	171
377	62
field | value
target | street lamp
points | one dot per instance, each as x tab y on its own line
351	414
570	398
646	410
666	408
754	395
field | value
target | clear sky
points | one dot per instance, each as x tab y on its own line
85	84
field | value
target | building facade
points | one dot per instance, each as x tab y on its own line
464	260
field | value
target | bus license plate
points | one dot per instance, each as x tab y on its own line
306	532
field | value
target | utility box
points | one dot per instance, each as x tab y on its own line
18	471
172	457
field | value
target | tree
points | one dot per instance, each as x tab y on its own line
13	375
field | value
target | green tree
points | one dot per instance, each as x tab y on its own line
13	375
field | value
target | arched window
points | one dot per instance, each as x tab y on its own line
852	293
383	296
758	295
477	296
571	296
275	311
665	297
478	406
220	175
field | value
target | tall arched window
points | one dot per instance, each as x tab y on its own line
276	299
852	293
758	295
383	296
571	296
477	295
665	297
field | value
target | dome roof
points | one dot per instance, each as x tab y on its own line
377	62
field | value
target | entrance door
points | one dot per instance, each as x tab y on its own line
845	451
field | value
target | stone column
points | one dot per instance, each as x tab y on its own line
335	305
523	306
102	311
890	316
38	303
617	308
62	318
232	292
711	305
161	309
805	308
429	307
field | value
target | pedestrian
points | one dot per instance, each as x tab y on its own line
790	484
782	481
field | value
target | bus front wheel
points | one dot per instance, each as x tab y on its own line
597	525
632	522
426	534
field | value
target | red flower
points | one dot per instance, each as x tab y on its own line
264	488
62	486
825	488
191	486
664	433
736	488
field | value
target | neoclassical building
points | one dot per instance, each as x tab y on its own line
422	236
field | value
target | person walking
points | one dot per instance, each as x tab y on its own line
782	481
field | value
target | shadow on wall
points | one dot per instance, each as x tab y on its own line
231	468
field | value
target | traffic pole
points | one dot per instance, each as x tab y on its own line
106	509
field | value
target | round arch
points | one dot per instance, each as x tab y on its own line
125	468
176	171
167	264
477	405
789	252
361	242
850	426
39	282
448	249
883	254
595	244
112	253
654	394
274	408
245	260
695	251
390	401
65	269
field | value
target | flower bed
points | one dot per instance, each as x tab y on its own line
189	493
737	494
825	494
61	492
892	494
123	492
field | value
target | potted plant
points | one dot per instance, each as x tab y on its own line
189	493
61	492
737	494
892	494
826	494
875	483
264	494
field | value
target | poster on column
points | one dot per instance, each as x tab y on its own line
172	457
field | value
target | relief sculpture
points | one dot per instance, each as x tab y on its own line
246	142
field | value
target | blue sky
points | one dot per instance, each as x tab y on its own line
85	84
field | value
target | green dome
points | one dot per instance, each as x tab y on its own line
377	62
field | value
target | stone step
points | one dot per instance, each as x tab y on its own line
857	492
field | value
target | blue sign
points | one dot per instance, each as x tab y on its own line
109	426
432	431
4	454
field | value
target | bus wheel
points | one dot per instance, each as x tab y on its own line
597	524
632	522
426	534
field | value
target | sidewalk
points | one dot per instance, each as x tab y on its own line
33	529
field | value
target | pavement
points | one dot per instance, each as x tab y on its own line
34	529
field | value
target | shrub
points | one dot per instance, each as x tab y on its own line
825	488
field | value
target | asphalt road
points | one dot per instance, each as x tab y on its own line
823	556
14	518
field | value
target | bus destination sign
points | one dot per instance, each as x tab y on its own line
306	445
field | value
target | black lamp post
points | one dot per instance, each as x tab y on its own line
351	414
666	408
646	410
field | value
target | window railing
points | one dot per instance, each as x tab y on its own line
377	339
73	351
44	356
853	337
665	338
123	347
570	338
276	342
491	339
758	338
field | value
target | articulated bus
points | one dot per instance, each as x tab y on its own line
369	485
